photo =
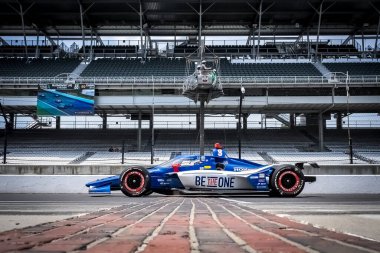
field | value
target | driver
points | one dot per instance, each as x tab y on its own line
218	151
220	155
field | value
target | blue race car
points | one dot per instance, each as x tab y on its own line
206	174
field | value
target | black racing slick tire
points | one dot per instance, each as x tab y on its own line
135	182
287	181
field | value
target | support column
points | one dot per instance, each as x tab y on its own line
81	24
245	121
319	26
253	42
320	132
151	127
363	44
21	12
37	55
377	30
200	13
259	12
319	11
139	133
259	33
200	29
197	116
141	32
308	44
91	51
377	36
58	122
23	29
339	121
311	121
201	128
11	121
292	121
104	125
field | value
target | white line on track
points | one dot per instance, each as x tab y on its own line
243	244
301	231
146	241
194	244
300	246
121	230
108	214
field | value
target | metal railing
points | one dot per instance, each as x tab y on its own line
170	80
82	123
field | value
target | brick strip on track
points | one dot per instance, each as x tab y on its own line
252	234
320	240
62	236
177	224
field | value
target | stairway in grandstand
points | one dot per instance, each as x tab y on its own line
322	68
78	70
82	158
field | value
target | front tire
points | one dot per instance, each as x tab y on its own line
135	182
287	181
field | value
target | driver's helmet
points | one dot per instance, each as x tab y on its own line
218	146
199	66
214	70
204	61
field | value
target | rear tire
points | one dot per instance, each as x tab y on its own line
135	182
287	181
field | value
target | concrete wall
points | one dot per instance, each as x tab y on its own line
333	179
326	184
357	169
344	184
61	169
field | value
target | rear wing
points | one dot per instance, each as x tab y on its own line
300	165
309	179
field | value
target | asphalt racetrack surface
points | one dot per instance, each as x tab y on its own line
157	223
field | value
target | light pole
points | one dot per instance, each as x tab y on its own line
242	91
348	120
334	78
5	135
152	127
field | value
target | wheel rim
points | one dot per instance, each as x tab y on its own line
134	181
289	181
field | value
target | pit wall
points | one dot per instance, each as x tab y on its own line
360	169
345	179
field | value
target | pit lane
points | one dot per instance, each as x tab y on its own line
200	223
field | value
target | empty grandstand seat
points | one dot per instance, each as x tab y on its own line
112	51
335	49
177	67
134	67
33	51
15	67
268	69
355	68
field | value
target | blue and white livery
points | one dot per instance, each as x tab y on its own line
218	174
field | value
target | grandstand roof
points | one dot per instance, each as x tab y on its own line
161	17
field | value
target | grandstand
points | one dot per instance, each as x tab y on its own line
134	67
288	72
91	147
18	67
359	69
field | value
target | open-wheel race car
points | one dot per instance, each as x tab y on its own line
206	174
